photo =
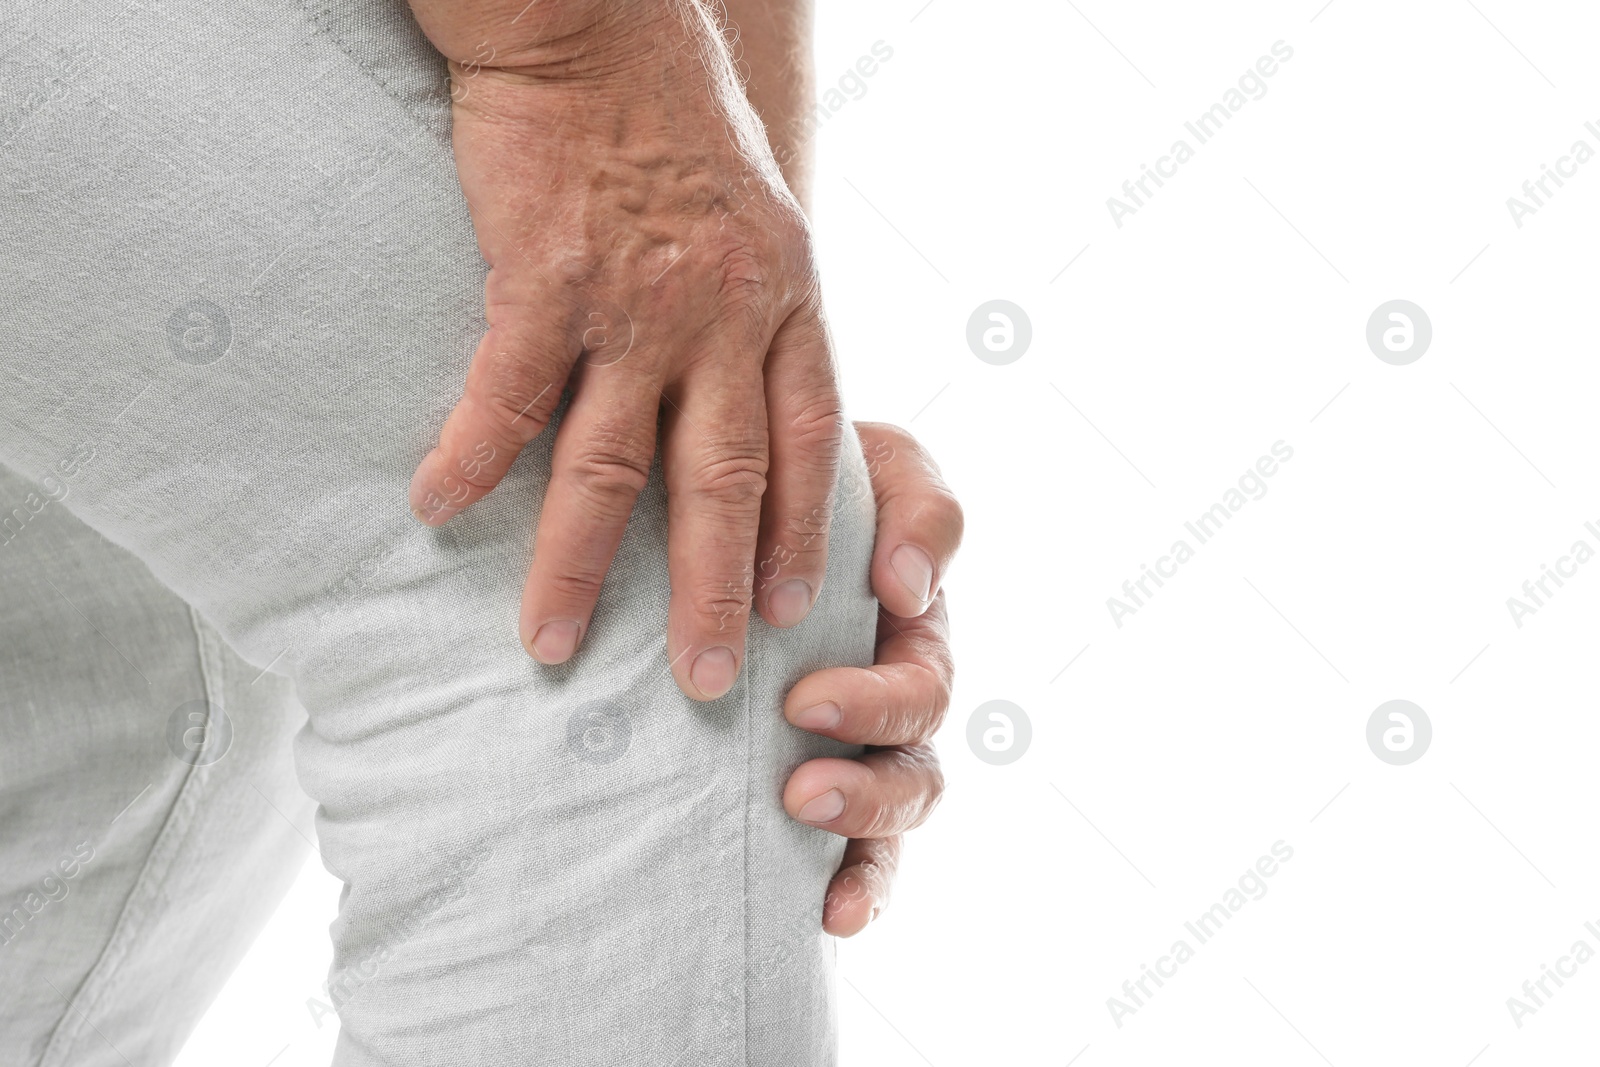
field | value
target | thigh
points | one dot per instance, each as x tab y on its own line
240	321
146	796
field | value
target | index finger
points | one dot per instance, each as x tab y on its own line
513	388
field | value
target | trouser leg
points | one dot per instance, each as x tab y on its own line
250	313
147	800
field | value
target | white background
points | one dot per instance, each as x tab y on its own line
1230	711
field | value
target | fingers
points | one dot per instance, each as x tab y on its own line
600	464
803	413
919	520
901	699
714	457
885	792
859	891
513	387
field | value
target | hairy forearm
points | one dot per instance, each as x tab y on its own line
588	42
774	56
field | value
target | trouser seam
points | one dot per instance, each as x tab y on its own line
746	941
142	896
314	13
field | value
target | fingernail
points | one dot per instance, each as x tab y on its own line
789	602
714	671
435	515
822	717
824	809
914	569
555	642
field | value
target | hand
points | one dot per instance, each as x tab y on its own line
646	255
893	707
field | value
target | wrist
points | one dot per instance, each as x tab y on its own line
552	40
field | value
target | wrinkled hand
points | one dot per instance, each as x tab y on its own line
644	253
894	706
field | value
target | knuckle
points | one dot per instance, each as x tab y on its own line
954	515
875	816
935	789
923	708
878	871
927	761
720	605
887	434
606	481
742	268
511	421
612	469
920	764
880	712
744	276
570	586
792	239
517	394
506	427
735	480
817	426
942	691
940	510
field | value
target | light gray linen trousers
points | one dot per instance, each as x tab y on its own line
239	291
